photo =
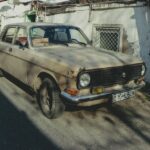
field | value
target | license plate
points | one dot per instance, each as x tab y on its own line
123	95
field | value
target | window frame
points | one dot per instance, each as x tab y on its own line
4	35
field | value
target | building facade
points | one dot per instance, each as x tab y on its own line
123	27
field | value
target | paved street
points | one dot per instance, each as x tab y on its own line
123	126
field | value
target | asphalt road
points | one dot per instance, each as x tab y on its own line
122	126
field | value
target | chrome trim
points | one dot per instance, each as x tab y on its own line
83	98
80	98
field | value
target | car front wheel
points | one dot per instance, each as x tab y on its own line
49	99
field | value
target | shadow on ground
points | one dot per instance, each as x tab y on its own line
122	120
127	116
133	114
17	132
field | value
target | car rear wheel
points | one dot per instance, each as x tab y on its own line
49	99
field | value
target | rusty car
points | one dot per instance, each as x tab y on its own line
59	64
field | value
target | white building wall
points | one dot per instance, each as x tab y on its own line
10	13
135	20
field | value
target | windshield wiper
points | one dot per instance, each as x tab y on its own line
61	43
64	44
78	42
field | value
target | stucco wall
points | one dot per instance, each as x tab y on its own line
135	20
12	13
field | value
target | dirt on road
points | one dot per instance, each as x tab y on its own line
122	126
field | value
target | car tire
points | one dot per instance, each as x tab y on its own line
49	99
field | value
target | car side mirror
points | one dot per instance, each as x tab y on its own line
22	42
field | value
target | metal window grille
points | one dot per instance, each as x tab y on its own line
107	37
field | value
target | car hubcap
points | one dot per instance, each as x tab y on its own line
45	100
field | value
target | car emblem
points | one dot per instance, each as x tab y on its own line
123	74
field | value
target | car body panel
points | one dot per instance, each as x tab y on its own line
87	58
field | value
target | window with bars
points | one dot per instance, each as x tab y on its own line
108	37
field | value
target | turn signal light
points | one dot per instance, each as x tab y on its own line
97	90
72	91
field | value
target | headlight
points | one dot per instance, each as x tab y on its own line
84	79
143	70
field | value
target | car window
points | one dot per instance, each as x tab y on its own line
51	35
9	35
60	34
21	32
38	36
21	35
37	32
76	35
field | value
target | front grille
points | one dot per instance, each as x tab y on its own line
116	75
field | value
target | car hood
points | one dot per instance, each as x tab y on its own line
88	58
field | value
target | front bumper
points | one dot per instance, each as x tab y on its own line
79	99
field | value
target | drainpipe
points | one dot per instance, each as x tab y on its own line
90	12
45	15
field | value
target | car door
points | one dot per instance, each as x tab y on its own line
22	56
17	60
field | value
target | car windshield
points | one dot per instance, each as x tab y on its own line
48	35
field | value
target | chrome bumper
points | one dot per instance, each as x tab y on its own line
84	98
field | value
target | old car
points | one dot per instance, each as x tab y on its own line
59	64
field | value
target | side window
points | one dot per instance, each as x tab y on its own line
22	32
38	37
9	35
21	36
37	32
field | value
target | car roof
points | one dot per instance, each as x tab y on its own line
30	24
